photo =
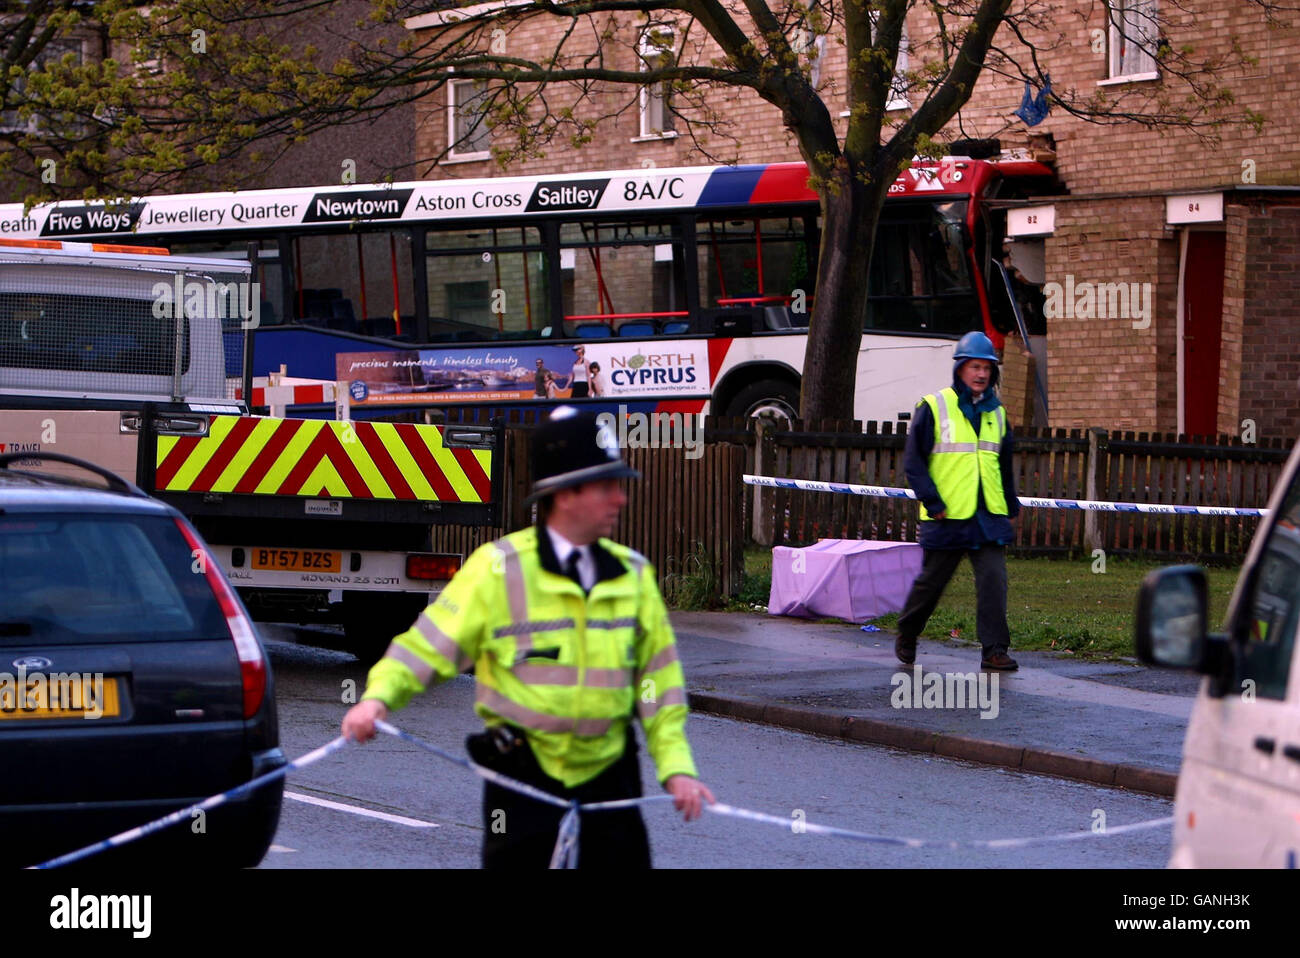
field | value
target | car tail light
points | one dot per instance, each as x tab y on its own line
252	664
425	566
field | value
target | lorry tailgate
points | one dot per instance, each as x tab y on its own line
353	469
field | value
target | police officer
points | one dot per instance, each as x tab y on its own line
958	461
569	637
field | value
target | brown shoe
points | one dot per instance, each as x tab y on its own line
905	649
999	662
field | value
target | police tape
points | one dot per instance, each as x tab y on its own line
565	855
566	844
798	826
140	831
1088	505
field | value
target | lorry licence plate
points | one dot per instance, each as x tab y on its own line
296	560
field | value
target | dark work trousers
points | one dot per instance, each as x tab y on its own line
519	832
937	568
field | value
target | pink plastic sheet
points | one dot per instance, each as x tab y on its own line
852	579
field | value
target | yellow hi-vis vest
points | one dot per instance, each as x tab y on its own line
962	462
568	669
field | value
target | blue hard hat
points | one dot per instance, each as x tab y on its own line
975	345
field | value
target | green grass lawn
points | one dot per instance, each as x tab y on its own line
1057	604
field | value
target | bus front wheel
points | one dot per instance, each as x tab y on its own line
766	399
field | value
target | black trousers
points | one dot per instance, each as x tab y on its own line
519	832
579	390
990	565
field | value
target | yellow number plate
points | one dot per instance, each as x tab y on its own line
59	695
296	560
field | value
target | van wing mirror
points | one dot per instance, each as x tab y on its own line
1171	615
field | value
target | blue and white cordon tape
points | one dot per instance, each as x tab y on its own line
1089	505
140	831
566	844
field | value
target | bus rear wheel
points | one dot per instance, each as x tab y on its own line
766	399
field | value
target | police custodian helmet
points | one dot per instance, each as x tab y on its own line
571	447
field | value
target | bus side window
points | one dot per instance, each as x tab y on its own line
486	283
354	282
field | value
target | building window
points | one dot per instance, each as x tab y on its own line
897	99
468	131
656	52
1132	37
898	89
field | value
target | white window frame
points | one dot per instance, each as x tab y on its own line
802	39
455	155
646	97
897	89
1130	13
897	97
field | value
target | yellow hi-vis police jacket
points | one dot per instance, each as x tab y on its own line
567	669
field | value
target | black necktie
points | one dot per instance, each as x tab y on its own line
571	568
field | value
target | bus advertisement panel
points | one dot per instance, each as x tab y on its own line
613	369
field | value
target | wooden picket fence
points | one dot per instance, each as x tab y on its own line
685	515
1127	467
693	517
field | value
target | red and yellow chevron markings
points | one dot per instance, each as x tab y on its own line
315	457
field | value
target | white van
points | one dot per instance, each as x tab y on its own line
1238	797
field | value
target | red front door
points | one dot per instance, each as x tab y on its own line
1202	329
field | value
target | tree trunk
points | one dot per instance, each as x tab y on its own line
850	210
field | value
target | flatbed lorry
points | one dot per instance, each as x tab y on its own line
115	355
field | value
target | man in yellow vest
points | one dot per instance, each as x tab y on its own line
958	462
569	638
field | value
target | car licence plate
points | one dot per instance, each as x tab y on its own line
296	560
59	695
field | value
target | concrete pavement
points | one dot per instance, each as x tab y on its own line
1108	723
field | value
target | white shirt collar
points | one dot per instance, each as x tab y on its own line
586	564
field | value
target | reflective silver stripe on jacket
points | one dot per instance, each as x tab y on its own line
516	591
665	657
538	674
422	669
539	721
609	678
627	623
674	696
946	428
444	644
638	562
528	628
516	595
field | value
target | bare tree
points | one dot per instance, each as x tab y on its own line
203	80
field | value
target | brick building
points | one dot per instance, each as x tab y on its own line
1170	263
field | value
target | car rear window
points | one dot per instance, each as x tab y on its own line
101	578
